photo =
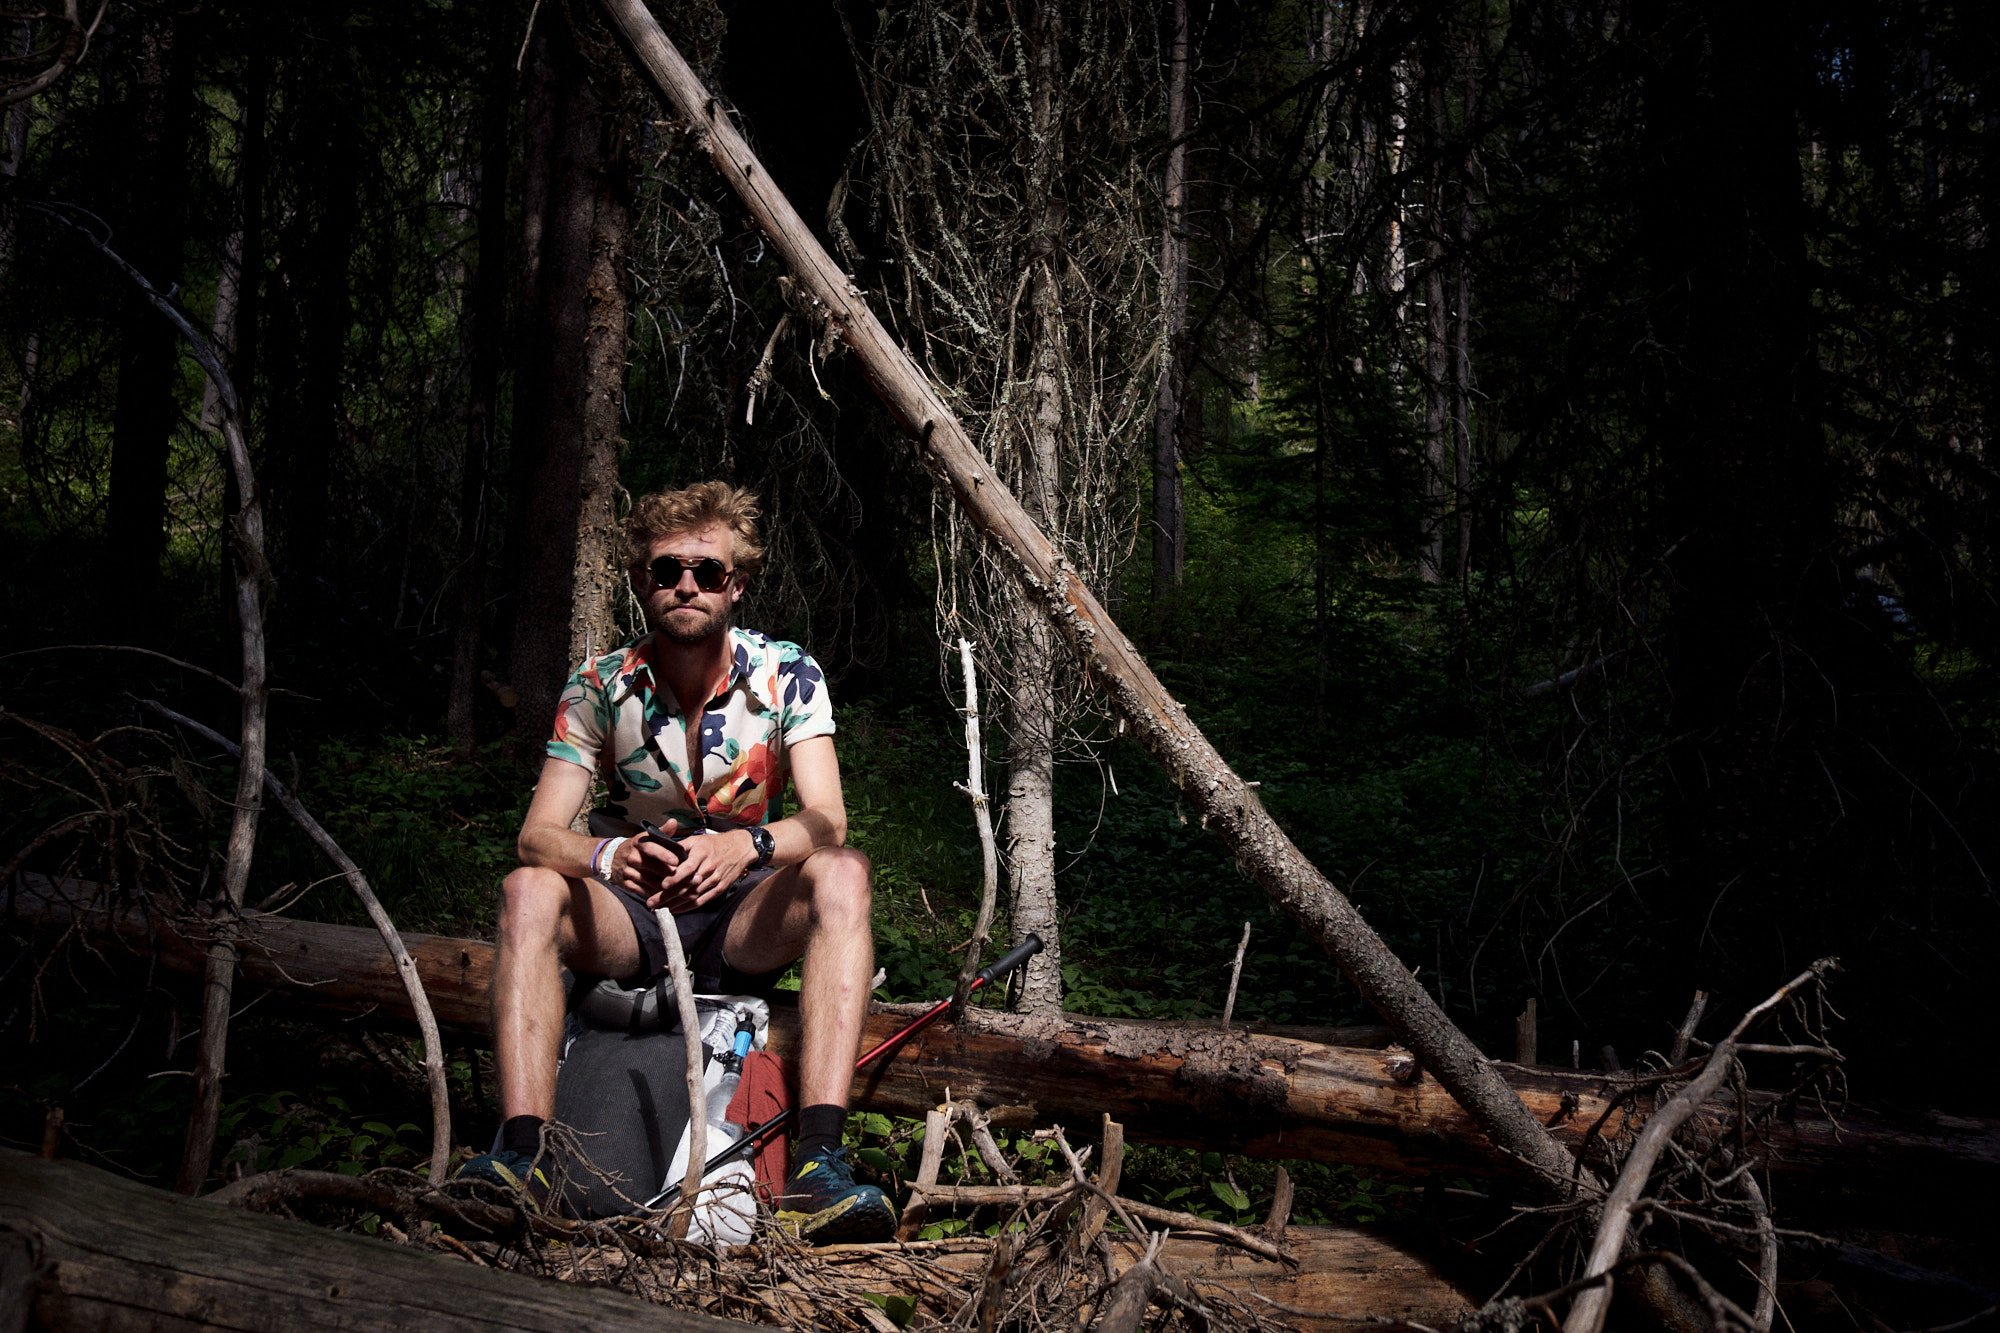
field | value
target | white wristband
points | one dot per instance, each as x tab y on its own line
608	857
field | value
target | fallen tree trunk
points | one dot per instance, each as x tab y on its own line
1347	1279
345	968
83	1249
1263	1094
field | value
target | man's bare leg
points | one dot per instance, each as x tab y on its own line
820	909
547	920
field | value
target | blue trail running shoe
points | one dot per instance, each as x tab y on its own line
829	1208
510	1170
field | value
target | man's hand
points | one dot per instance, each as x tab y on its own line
641	867
713	862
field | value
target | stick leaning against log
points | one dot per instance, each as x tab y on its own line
392	939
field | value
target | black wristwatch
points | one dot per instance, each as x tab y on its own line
766	845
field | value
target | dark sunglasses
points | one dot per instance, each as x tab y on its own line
710	574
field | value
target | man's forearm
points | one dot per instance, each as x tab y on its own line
558	849
799	836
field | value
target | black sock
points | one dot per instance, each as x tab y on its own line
521	1134
819	1129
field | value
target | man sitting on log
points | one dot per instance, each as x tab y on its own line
695	727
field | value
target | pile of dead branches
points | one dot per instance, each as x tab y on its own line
1067	1254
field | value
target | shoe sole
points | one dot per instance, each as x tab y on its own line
856	1219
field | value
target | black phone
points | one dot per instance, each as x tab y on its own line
656	834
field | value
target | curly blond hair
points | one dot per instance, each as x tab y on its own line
697	506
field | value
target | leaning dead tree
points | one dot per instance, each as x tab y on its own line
1224	801
1027	284
252	575
1220	797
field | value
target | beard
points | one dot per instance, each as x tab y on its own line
690	630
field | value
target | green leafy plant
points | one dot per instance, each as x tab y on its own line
279	1130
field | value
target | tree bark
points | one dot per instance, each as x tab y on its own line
1440	353
1218	795
1032	722
253	165
81	1249
1264	1091
570	383
484	332
1437	415
307	432
151	231
1169	517
1461	376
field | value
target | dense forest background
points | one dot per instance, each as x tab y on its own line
1542	444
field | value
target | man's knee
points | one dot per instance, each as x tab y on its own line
842	884
533	904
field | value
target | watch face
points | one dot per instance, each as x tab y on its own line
760	837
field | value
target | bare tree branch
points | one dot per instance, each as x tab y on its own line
56	60
251	579
406	968
1588	1313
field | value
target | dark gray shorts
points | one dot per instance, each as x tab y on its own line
702	932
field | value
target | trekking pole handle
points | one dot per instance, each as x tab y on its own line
1020	954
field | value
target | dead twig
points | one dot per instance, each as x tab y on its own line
1588	1313
1235	976
1685	1033
974	788
57	60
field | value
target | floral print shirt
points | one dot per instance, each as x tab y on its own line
617	720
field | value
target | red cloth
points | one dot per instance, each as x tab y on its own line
764	1092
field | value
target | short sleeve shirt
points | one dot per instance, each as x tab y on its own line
619	720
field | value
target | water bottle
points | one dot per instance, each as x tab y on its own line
724	1090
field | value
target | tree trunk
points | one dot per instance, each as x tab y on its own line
85	1250
1169	518
1461	316
1759	649
252	173
1437	415
82	1249
150	235
1440	377
485	330
1461	378
570	384
307	432
1320	1094
1032	720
